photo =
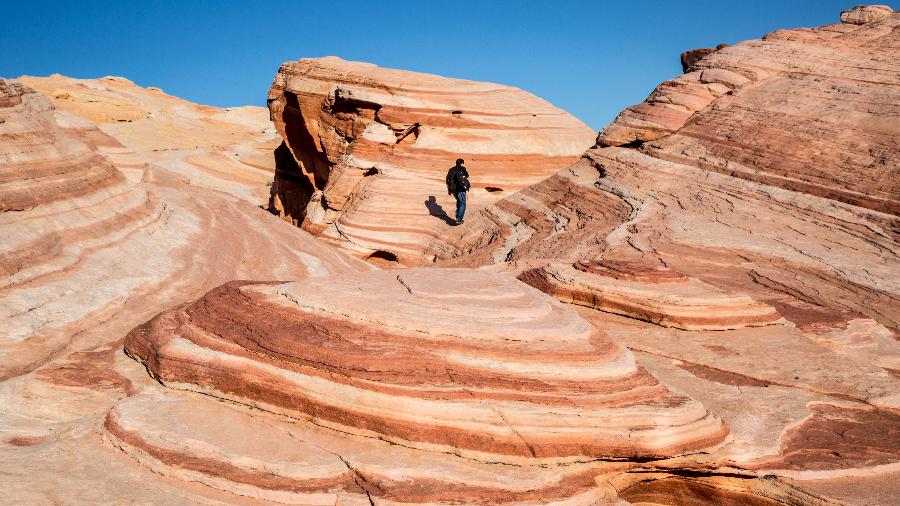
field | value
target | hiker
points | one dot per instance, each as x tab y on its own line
458	185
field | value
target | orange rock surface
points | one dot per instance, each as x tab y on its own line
86	254
657	295
721	322
762	183
228	150
368	148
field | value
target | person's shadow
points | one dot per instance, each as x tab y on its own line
437	211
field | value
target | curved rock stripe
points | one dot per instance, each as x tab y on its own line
82	243
467	362
192	438
809	110
657	295
224	149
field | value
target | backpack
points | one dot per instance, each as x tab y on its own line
462	182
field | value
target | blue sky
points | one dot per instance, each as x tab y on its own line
592	58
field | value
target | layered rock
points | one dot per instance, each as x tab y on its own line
681	194
83	244
469	369
86	254
657	295
456	386
191	438
862	14
763	176
228	150
367	150
811	111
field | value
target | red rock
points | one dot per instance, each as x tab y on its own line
689	58
777	112
228	150
82	243
754	186
370	148
862	14
459	378
759	175
658	295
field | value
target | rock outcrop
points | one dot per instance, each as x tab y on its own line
367	150
785	111
762	183
86	254
444	361
691	57
657	295
228	150
862	14
722	323
83	244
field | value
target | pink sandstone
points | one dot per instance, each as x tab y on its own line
367	150
759	183
228	150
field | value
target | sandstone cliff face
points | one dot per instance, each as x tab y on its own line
367	149
812	111
228	150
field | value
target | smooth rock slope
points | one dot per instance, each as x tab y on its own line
85	255
738	231
367	150
228	150
721	322
655	294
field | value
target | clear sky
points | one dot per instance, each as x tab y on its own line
592	58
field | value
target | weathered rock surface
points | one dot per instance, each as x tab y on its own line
813	111
367	150
862	14
86	254
762	181
733	339
657	295
469	370
82	243
228	150
688	200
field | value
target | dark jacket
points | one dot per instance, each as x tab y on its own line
457	180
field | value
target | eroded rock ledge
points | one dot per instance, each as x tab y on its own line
655	294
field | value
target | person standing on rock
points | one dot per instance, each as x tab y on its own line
458	185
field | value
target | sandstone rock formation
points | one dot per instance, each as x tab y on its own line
692	56
82	243
779	112
763	181
367	149
460	370
724	325
862	14
229	150
657	295
86	254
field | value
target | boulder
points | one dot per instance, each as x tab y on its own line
862	14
